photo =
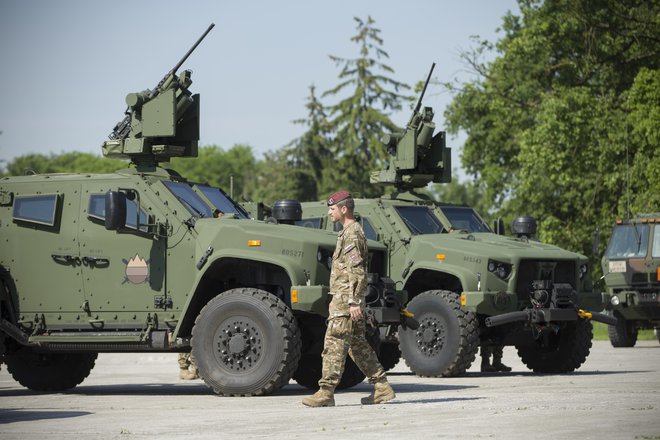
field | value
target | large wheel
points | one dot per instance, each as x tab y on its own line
50	372
389	355
560	351
246	342
447	340
310	367
624	333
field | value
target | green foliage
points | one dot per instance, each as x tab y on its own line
552	122
72	162
220	168
367	95
278	178
299	170
460	193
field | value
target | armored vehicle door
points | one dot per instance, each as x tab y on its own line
45	265
123	272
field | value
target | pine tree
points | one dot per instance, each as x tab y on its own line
361	117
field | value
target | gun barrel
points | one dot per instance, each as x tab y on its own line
506	318
421	96
605	319
192	49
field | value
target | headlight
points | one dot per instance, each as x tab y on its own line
615	300
584	268
502	270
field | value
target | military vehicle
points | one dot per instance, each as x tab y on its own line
144	260
631	268
468	286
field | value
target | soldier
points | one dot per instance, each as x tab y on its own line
497	365
346	321
187	367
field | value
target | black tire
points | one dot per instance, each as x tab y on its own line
447	340
246	343
49	372
657	333
389	355
624	333
310	367
562	352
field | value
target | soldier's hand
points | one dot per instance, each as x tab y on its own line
355	311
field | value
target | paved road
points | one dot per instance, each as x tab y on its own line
615	394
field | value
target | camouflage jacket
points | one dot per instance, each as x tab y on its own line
348	278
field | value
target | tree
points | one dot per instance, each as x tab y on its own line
361	116
231	170
553	120
71	162
307	159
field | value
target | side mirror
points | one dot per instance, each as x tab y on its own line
498	226
115	210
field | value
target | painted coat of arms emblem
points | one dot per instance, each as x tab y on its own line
137	270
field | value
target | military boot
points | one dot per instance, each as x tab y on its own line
486	367
186	374
382	393
497	361
323	397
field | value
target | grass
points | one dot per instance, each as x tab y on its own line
600	333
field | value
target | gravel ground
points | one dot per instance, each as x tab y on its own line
614	395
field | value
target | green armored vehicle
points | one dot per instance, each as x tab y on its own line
468	286
144	260
631	268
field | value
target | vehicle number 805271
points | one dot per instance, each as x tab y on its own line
292	253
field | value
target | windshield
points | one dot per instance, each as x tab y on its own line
220	201
465	218
420	220
655	250
185	194
628	241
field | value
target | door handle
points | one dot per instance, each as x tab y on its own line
96	261
66	259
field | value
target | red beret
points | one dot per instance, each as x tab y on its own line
338	197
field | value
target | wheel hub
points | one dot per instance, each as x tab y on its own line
430	336
239	344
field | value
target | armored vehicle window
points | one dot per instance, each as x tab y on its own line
221	201
369	231
628	241
465	218
96	210
420	220
36	209
185	194
314	223
655	250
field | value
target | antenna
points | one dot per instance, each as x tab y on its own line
627	185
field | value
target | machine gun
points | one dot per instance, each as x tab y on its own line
418	156
159	123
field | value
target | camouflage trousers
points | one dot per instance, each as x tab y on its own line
345	336
186	360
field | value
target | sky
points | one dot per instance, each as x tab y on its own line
69	64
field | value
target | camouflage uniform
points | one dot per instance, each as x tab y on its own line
348	282
187	366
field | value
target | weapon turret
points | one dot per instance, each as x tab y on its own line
418	156
160	123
